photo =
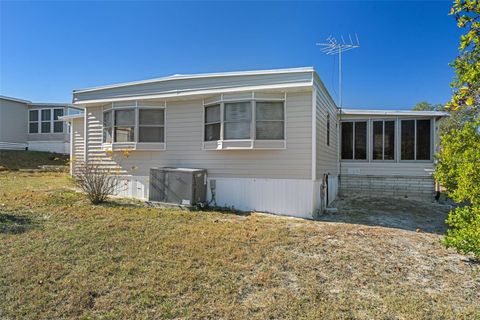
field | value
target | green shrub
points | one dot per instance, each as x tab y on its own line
465	232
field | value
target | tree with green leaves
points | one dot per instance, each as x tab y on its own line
458	168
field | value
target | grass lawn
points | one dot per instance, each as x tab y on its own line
61	257
19	159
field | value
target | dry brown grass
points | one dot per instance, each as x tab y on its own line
61	257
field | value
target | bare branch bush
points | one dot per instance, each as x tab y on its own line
96	181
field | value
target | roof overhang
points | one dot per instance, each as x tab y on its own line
15	99
399	113
199	75
71	117
196	93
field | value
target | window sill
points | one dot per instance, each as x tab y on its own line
137	146
245	145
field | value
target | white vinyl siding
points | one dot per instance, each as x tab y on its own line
184	128
326	154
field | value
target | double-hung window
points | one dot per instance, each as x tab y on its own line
46	120
33	121
415	139
124	125
212	123
354	140
383	140
270	120
108	126
57	123
132	125
237	120
151	125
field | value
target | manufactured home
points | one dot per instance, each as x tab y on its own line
25	125
270	140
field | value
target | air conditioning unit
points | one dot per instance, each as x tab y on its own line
182	186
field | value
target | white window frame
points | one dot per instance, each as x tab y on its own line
395	146
415	140
30	121
252	142
53	121
367	133
41	121
136	144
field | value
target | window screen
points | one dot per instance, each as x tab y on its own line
124	128
270	124
212	123
237	120
33	121
46	117
347	140
354	140
407	149
57	123
107	126
360	140
151	126
423	140
383	144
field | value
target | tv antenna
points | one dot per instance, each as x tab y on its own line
333	47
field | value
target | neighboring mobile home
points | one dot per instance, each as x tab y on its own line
25	125
268	139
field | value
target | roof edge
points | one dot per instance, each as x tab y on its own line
394	112
199	75
15	99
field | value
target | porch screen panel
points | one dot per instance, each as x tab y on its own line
423	139
360	140
389	141
347	140
407	147
57	123
377	140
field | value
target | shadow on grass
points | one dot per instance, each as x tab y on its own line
15	223
403	214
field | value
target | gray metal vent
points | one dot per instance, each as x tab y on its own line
183	186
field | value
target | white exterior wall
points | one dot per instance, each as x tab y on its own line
277	181
326	155
49	146
13	124
413	179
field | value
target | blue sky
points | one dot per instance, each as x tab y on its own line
47	49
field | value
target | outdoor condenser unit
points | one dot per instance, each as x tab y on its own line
183	186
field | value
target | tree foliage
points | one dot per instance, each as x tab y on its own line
458	168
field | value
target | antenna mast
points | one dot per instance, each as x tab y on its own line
331	47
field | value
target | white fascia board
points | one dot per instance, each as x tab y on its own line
15	99
54	104
192	94
395	113
199	75
71	117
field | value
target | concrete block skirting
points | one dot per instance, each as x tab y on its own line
419	188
